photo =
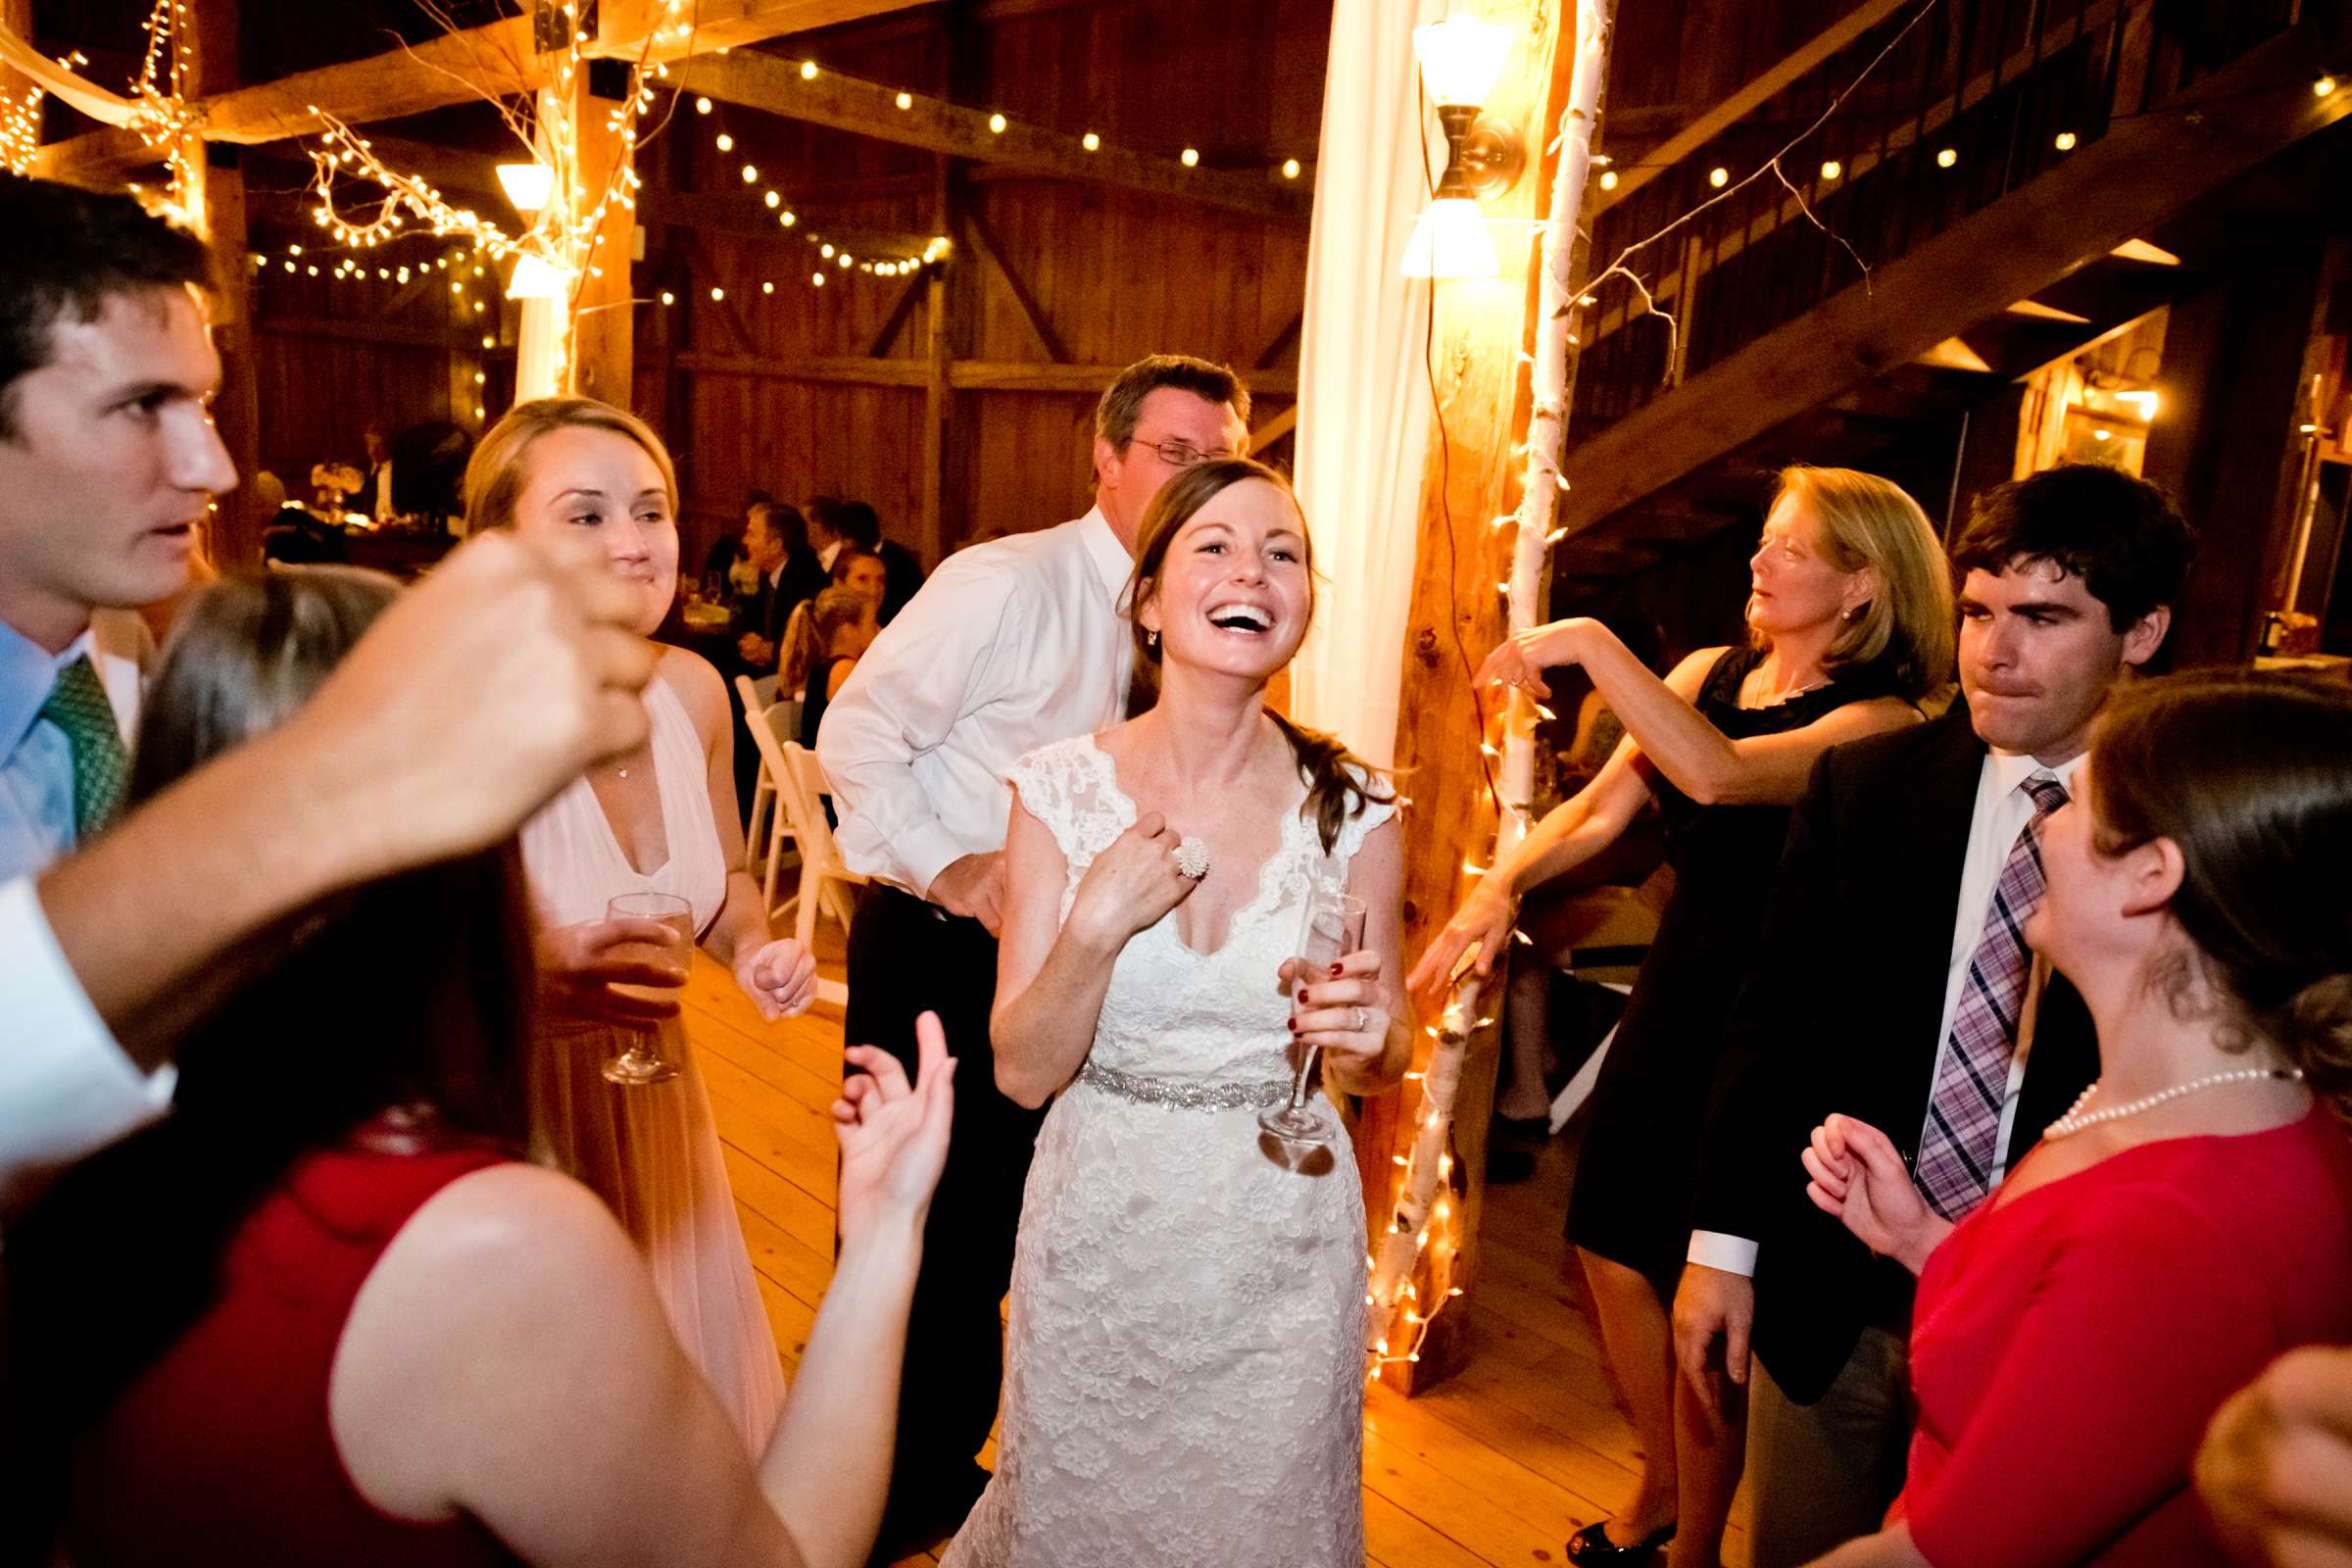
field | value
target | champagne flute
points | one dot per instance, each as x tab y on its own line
1333	928
642	1063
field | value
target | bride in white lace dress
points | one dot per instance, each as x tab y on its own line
1184	1367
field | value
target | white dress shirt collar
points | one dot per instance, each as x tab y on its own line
1111	560
2011	770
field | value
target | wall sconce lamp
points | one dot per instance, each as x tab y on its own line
1461	58
537	278
527	185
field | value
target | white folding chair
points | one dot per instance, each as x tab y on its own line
824	876
762	717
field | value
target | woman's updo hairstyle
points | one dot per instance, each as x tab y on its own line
2251	777
1335	781
499	470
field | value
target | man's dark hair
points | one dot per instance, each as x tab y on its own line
69	250
819	511
2119	533
856	522
756	497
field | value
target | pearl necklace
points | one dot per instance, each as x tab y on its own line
2076	1120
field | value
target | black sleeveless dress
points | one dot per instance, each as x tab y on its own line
1636	1173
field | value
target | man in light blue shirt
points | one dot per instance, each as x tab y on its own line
108	462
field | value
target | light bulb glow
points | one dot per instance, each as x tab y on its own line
725	143
996	125
702	106
1091	142
2065	141
1947	158
1461	58
1189	157
807	70
1290	169
1832	170
1719	176
905	100
1608	179
1450	240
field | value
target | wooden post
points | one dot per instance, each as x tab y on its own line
1471	479
236	533
2227	447
603	347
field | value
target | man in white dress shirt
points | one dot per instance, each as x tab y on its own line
108	464
1913	861
1011	645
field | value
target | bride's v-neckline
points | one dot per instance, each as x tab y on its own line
1265	868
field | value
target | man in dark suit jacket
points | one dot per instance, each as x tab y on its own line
777	540
1883	919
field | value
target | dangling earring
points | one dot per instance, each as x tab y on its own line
1151	641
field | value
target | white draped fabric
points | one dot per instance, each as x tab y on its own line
1363	389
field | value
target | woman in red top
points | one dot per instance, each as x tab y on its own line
2191	1217
324	1315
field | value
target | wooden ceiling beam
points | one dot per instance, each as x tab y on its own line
495	60
2064	219
775	85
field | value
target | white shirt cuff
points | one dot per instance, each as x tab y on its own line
925	850
66	1087
1733	1255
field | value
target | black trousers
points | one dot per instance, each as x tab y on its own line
905	958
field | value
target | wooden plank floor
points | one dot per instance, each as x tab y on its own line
1495	1467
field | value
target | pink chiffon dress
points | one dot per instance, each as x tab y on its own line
651	1151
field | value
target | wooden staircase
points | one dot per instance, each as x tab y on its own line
1983	203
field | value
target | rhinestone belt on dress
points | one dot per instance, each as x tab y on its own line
1182	1095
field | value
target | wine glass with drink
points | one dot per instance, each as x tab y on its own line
643	1061
1333	926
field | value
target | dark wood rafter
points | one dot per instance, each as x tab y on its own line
775	85
495	60
2066	217
1274	429
983	241
1285	338
900	308
698	263
733	212
1899	138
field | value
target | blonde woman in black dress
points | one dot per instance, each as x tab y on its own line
1849	617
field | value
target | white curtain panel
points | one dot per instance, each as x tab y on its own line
1363	391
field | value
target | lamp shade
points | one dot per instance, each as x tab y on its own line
527	185
1461	58
1450	240
536	278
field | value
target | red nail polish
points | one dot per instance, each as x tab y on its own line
1293	1026
1337	970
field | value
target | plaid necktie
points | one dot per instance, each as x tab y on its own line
77	705
1964	1111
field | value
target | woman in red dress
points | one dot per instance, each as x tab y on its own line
326	1313
2191	1217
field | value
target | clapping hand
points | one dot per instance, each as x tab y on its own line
780	978
1343	1013
894	1135
1131	884
578	969
1859	1177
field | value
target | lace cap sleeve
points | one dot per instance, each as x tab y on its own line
1062	785
1358	828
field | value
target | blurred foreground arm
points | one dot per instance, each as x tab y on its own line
474	697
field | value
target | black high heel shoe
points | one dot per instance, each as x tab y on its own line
1592	1545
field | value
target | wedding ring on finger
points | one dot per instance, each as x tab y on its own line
1361	1017
1191	859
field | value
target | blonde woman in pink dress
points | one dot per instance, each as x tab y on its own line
660	820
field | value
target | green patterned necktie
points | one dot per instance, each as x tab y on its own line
77	705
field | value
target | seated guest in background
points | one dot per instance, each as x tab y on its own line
864	573
373	498
108	464
727	553
2191	1216
662	819
839	627
1911	865
777	543
2275	1468
861	527
352	1267
824	532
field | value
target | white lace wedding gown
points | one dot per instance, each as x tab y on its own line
1184	1356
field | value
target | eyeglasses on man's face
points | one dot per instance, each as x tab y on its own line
1181	454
